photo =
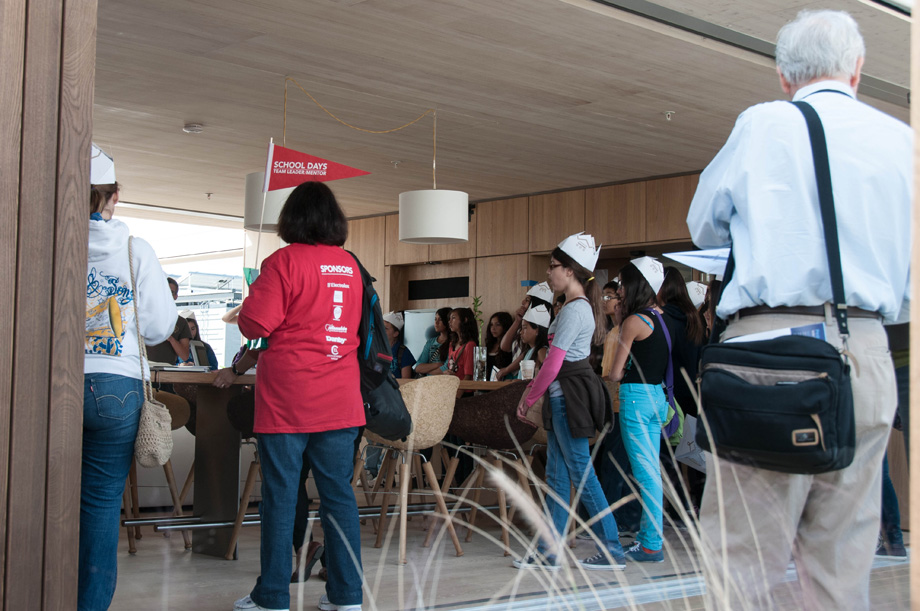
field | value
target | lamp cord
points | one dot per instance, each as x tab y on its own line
432	111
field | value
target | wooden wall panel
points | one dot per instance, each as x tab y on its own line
400	253
366	238
615	215
47	56
667	203
448	269
33	325
12	58
461	250
61	558
553	217
498	282
502	227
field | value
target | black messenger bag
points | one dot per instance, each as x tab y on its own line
784	404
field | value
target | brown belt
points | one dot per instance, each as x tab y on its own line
805	311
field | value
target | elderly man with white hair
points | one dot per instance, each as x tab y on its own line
759	195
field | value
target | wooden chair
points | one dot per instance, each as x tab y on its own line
489	421
255	468
431	402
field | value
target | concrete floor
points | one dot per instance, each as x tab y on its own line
162	575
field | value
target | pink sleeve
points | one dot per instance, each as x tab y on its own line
547	374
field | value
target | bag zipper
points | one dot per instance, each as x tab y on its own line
766	377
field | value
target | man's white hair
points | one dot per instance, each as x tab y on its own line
819	44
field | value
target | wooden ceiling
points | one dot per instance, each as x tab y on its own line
531	95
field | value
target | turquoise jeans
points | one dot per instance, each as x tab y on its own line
643	409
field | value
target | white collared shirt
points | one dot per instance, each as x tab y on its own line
759	193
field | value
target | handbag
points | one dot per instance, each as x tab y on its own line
154	443
784	404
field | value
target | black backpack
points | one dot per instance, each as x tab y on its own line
384	407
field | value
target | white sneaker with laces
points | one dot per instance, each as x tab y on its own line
325	605
247	604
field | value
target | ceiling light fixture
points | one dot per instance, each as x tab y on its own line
193	128
433	216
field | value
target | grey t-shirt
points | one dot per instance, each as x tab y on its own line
573	329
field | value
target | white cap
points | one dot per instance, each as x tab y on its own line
580	247
542	291
395	319
652	270
101	167
188	315
697	292
538	316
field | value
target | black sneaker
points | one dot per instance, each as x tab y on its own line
892	550
603	561
536	561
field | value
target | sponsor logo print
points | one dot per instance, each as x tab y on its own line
337	297
345	270
334	350
337	312
337	285
337	340
334	329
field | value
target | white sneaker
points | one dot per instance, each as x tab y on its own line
247	604
325	605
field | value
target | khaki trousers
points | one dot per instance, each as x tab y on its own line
753	521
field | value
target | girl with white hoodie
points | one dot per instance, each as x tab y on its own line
112	382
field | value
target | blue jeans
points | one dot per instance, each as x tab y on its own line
331	456
568	461
643	409
891	514
111	410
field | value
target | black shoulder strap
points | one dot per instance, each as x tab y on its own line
828	220
828	217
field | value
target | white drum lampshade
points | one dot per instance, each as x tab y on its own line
274	201
433	216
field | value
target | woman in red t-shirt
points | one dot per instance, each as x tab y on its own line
463	332
307	303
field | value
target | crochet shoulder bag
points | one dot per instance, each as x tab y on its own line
154	443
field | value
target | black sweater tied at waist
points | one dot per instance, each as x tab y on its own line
587	401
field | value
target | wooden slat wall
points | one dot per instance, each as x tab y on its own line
47	55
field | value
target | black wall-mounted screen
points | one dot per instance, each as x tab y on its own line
441	288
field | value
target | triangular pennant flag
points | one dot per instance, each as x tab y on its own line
288	168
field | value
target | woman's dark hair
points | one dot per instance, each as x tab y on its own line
592	292
468	330
613	285
505	320
637	292
674	291
715	289
100	194
542	340
197	336
444	315
311	215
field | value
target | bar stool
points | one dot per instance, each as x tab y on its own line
179	412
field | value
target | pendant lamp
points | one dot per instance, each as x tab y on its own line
434	216
253	218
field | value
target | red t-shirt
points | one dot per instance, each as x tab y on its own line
460	360
307	302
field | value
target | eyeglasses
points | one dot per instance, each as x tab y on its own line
608	297
553	266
